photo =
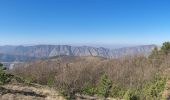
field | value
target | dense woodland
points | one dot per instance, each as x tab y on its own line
129	78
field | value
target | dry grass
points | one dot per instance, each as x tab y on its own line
23	92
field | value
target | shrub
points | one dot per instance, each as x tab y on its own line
28	80
68	92
165	48
117	92
105	86
3	76
89	91
50	82
132	94
154	89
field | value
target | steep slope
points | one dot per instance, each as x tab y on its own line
45	51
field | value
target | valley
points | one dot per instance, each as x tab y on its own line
84	49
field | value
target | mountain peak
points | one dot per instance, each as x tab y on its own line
46	51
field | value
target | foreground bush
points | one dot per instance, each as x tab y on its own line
104	86
3	76
154	89
117	92
132	94
151	91
89	91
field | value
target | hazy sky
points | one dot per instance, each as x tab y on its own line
84	21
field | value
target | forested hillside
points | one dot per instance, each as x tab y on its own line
129	78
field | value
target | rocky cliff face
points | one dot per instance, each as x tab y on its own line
45	51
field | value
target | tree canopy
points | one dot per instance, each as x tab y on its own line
165	47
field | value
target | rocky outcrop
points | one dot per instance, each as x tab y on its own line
45	51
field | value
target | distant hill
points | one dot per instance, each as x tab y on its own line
25	53
12	58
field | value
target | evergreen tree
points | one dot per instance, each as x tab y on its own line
154	54
165	48
3	76
105	86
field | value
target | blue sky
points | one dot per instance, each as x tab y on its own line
84	21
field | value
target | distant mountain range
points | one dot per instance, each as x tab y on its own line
28	53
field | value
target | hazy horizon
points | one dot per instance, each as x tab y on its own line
109	46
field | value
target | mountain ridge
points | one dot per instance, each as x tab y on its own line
46	51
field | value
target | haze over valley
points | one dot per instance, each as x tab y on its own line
84	50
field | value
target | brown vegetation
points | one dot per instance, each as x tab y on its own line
130	72
71	75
